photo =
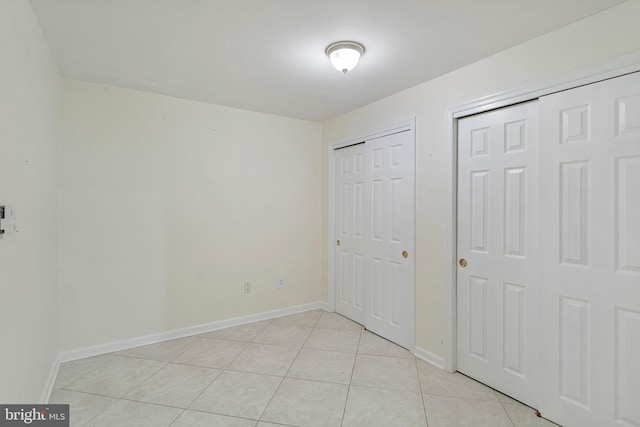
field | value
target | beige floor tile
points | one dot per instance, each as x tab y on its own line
265	359
117	377
445	411
378	346
374	407
212	353
71	371
82	406
306	318
165	351
205	419
245	333
126	413
307	403
322	365
319	364
503	398
238	394
288	335
524	416
386	372
438	382
336	321
334	340
174	385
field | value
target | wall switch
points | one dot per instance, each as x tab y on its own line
247	287
8	220
281	283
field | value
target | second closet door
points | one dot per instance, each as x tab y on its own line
375	235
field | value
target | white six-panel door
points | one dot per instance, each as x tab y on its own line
590	205
549	301
374	201
390	236
350	229
497	248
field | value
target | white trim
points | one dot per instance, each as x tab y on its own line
51	380
606	70
331	229
96	350
409	124
451	244
613	68
427	356
406	125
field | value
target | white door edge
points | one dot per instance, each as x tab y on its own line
605	70
406	125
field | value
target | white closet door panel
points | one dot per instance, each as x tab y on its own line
390	213
374	211
590	254
497	236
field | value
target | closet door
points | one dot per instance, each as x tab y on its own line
590	254
374	241
497	289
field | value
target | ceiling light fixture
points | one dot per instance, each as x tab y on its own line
345	55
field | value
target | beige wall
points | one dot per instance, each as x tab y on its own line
610	34
167	206
29	133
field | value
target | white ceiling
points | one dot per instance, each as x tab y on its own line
268	55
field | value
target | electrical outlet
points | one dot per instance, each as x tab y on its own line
7	220
281	283
247	287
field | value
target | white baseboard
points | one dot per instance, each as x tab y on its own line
51	379
96	350
429	357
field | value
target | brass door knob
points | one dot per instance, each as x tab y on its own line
405	254
338	243
463	262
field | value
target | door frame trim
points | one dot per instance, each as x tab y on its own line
406	125
583	76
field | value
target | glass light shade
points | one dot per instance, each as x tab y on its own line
345	55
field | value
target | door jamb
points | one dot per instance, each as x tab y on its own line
606	70
407	125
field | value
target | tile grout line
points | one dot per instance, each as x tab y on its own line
167	363
346	400
286	373
424	407
222	371
211	413
82	376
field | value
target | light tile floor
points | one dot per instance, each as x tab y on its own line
307	369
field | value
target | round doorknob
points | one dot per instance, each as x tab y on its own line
338	243
405	254
463	262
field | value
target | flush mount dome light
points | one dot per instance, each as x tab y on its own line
345	55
